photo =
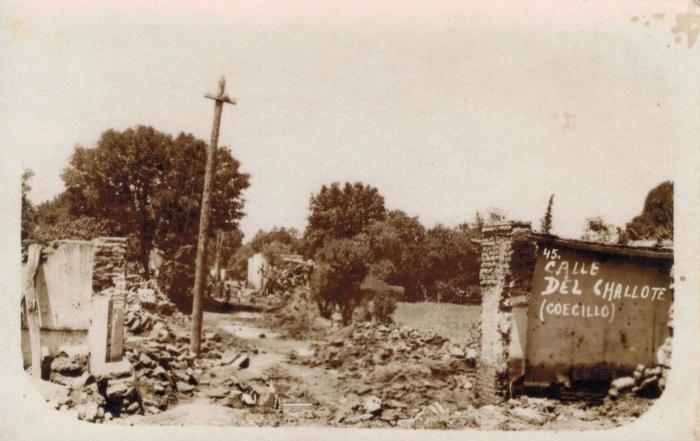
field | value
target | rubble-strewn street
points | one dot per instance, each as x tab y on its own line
258	370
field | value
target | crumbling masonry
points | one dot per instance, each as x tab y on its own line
508	256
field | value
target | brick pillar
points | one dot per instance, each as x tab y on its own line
507	264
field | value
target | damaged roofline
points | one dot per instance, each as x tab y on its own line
627	250
659	252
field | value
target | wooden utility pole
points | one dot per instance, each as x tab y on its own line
217	262
200	276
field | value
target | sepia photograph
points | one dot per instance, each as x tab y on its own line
455	217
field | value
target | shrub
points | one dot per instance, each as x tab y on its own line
340	269
383	306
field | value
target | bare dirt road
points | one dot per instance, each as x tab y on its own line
268	370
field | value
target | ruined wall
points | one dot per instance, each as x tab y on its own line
566	311
595	314
69	277
255	265
64	286
507	263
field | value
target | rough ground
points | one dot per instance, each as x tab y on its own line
362	376
291	367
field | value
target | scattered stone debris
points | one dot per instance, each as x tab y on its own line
394	373
387	376
95	398
528	415
147	309
644	382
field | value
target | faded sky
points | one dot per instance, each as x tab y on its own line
446	109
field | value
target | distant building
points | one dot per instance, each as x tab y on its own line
257	263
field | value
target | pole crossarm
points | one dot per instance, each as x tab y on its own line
222	98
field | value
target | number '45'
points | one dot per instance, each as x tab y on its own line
551	254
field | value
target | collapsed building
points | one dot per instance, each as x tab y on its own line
258	263
571	315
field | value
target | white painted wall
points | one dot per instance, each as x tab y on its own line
255	266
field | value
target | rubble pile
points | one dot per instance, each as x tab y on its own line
147	309
644	382
166	371
157	345
396	375
94	398
260	394
284	277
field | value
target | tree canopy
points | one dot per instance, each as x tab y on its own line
150	184
655	222
440	263
286	238
341	213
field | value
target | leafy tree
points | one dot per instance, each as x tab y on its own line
54	211
282	236
278	240
340	269
230	242
28	211
546	221
341	213
440	264
656	219
179	202
237	266
54	221
397	248
597	230
151	184
451	266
